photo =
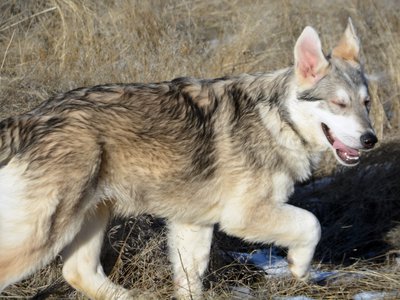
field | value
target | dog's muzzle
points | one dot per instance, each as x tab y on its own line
346	155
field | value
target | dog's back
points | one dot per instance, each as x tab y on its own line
196	152
169	149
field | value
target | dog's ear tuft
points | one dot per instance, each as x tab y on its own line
310	61
348	47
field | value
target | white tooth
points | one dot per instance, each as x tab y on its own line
350	157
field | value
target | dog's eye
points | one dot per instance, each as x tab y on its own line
339	103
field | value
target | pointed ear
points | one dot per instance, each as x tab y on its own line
349	45
310	62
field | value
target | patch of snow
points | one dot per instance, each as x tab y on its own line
265	259
241	293
275	265
375	295
318	276
292	298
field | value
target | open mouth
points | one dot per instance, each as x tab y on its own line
345	154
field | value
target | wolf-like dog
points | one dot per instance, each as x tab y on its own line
195	152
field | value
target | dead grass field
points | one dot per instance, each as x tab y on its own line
56	45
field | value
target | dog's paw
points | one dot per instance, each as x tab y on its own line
300	272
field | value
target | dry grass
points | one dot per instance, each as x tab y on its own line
57	45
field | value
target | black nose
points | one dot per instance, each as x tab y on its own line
368	140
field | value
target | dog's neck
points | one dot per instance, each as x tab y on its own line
261	102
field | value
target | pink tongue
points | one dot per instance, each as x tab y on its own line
338	145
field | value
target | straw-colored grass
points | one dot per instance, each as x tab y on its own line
56	45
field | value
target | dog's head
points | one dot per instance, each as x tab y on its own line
332	93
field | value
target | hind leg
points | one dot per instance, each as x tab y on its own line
82	268
19	263
42	210
27	239
189	249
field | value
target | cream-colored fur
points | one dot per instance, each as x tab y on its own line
195	152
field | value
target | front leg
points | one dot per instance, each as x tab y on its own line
283	224
189	250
